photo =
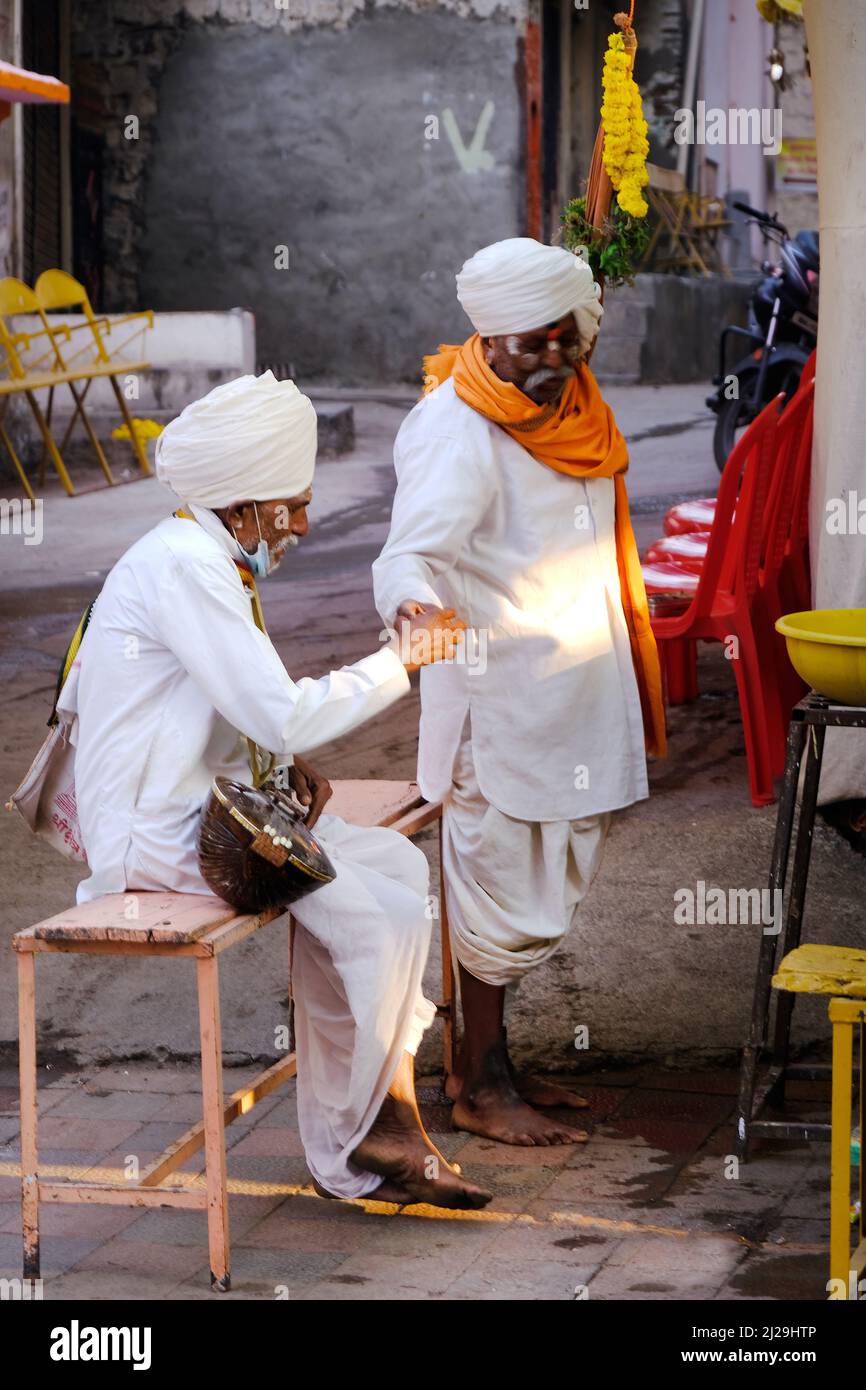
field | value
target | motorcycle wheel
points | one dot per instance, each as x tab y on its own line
735	415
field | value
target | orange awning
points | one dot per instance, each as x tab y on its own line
16	84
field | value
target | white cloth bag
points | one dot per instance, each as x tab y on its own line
46	795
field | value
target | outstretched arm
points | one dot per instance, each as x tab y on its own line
204	618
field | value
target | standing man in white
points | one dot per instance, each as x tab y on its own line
511	507
176	682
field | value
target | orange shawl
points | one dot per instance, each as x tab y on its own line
576	434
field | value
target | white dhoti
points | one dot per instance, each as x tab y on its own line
512	887
360	950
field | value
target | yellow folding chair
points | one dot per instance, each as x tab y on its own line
23	371
54	290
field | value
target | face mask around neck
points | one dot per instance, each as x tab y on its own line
260	559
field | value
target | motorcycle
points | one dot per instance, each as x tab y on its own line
782	329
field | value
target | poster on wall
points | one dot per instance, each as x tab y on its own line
797	165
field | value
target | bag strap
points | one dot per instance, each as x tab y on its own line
69	657
259	771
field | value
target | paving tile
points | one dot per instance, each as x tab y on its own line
488	1151
356	1288
680	1137
77	1219
783	1275
605	1218
624	1077
9	1100
186	1108
515	1182
267	1271
689	1106
680	1256
722	1081
551	1242
269	1141
115	1105
430	1270
494	1278
280	1231
70	1133
98	1286
626	1176
619	1282
158	1080
149	1258
165	1225
57	1253
437	1232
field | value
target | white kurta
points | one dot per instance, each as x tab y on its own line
527	556
172	673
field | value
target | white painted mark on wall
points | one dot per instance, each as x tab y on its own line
472	158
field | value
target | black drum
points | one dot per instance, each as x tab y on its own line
254	850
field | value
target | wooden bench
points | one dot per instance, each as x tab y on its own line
187	926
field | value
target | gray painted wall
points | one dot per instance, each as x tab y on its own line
316	140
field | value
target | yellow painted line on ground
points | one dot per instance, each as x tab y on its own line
252	1188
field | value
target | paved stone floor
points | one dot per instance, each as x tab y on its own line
652	1207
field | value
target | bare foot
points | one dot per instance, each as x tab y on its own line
398	1149
386	1192
533	1089
489	1105
497	1115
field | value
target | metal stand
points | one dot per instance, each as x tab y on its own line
762	1079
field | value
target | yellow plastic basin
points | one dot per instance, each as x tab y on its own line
827	648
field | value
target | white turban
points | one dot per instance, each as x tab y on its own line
519	284
252	438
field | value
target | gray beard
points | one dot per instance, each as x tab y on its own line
541	377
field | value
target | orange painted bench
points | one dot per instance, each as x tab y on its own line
180	925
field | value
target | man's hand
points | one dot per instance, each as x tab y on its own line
310	788
426	633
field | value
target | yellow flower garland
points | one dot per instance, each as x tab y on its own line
625	131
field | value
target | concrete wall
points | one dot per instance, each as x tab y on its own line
666	328
375	218
256	132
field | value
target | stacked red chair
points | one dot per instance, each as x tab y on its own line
731	581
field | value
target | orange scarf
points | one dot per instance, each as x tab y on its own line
578	435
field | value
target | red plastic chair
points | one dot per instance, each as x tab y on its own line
728	603
688	550
687	517
784	557
795	580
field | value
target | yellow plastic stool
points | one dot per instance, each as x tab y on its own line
839	971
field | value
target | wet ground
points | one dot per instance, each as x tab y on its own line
654	1206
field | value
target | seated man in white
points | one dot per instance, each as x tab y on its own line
176	682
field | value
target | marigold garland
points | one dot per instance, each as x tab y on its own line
625	131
